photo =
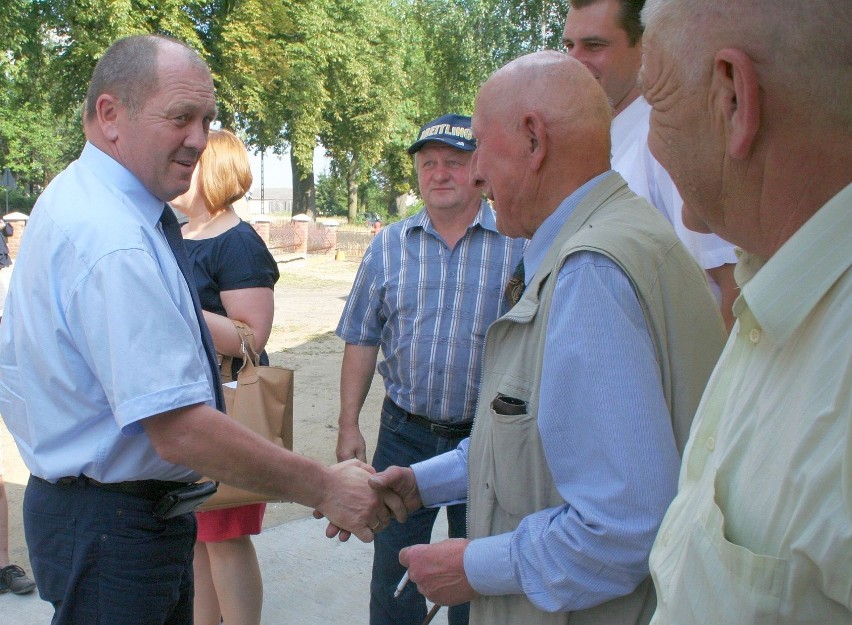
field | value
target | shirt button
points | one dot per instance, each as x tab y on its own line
711	443
754	336
666	537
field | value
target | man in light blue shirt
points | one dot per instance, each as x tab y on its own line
105	380
589	382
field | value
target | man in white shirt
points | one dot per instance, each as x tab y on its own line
606	36
758	136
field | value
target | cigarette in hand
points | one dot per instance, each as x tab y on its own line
400	586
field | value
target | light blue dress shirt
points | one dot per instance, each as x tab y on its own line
429	306
99	330
606	432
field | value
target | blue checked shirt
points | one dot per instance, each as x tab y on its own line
428	307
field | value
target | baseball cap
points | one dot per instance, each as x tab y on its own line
454	130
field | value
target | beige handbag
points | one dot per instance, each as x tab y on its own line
262	400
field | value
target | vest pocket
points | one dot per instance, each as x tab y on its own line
517	465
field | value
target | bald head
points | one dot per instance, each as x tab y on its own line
757	136
555	86
542	127
811	70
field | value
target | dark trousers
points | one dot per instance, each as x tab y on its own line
402	443
102	558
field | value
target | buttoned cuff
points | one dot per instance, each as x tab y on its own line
488	566
442	480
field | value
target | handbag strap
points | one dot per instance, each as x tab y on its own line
247	339
250	356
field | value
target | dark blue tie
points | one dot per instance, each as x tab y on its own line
171	229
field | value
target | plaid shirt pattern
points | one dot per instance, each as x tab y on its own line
428	307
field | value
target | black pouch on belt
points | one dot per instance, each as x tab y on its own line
184	499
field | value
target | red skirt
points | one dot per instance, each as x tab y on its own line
216	525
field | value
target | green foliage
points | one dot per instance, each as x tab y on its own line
364	90
331	195
359	76
19	201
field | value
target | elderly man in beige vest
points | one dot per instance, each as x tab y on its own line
590	380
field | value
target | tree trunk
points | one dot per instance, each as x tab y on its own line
304	190
352	188
398	205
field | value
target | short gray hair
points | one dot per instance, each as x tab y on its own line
128	70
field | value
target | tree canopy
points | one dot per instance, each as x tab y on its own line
356	76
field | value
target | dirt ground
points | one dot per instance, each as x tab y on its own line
309	299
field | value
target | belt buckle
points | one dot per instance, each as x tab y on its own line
450	431
440	428
437	428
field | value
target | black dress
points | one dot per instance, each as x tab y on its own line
236	259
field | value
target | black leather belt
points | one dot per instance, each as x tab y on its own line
447	430
147	489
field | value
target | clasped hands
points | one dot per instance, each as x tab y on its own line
437	569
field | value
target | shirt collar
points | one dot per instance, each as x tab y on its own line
116	175
547	232
782	291
484	218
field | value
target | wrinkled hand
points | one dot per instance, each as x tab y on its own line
397	489
350	505
398	485
351	444
438	571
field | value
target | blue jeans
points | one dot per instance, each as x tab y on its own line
102	557
402	443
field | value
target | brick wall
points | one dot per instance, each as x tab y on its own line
19	224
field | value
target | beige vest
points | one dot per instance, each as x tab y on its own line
509	476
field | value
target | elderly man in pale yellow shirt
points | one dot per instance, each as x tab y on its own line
771	447
758	140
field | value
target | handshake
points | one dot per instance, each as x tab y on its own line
363	502
366	502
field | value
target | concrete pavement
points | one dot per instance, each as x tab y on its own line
307	579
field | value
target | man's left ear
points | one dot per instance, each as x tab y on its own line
535	138
737	91
107	107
